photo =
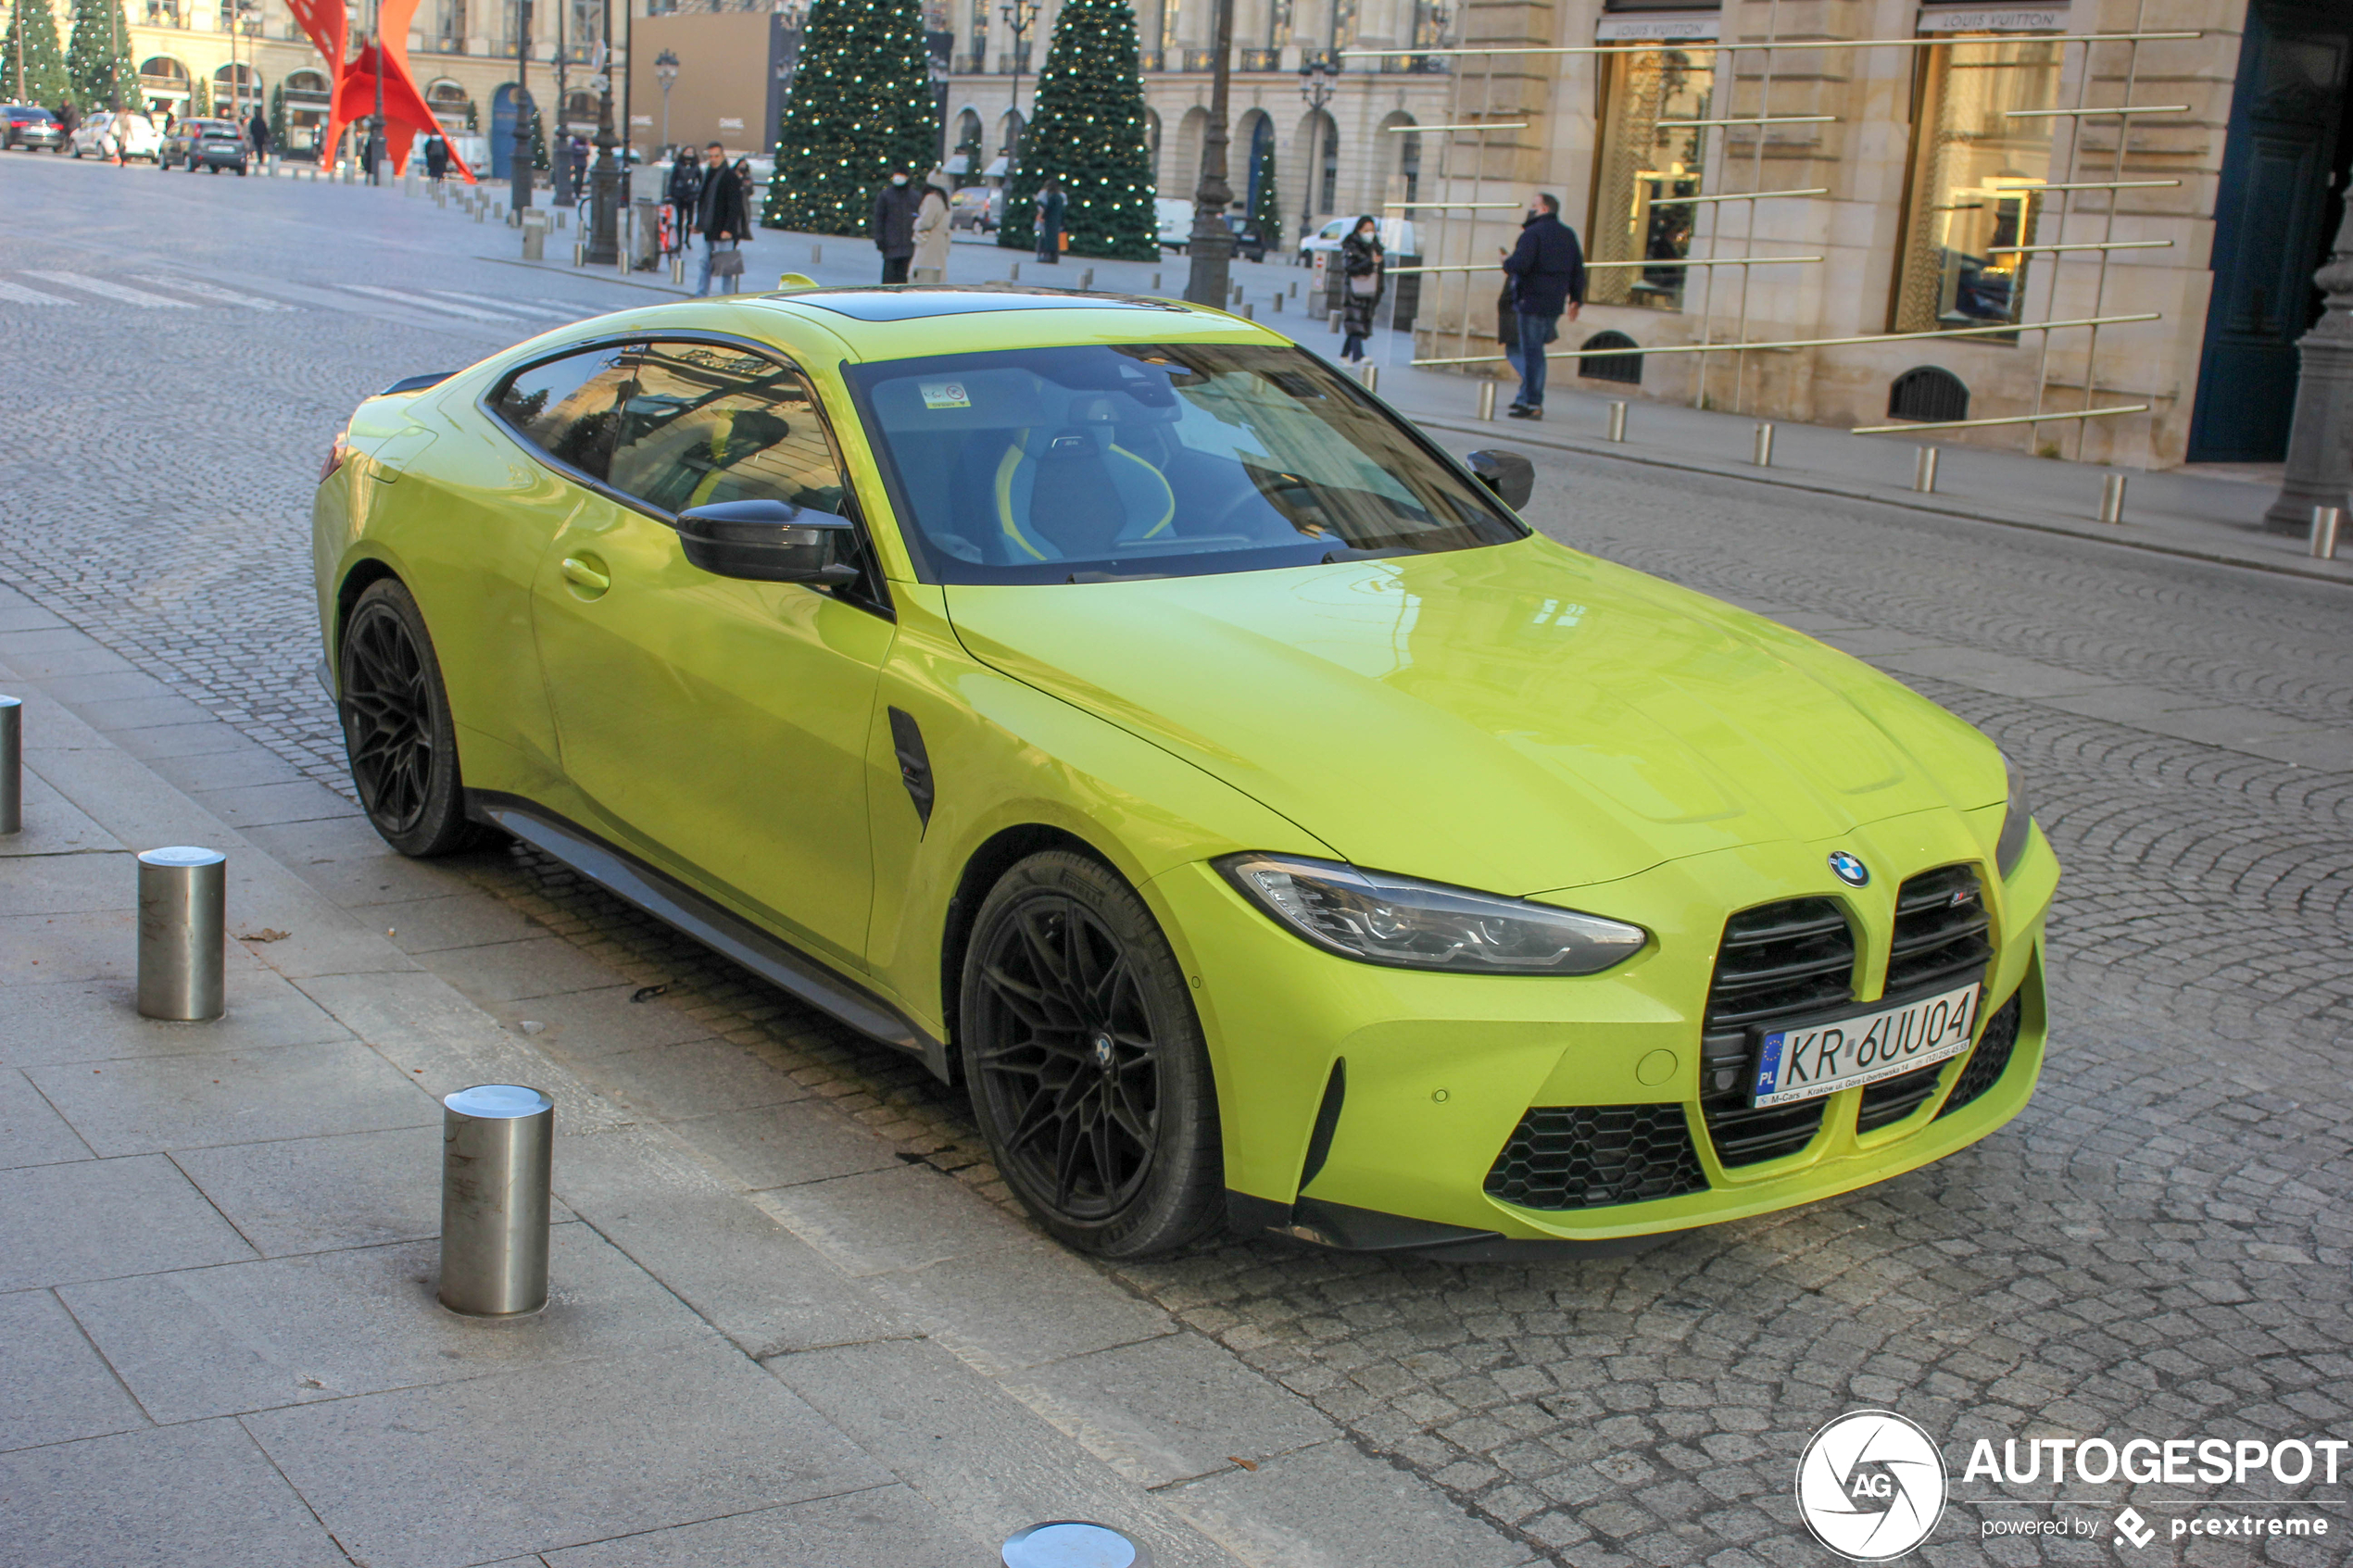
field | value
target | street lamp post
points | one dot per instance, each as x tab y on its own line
1211	248
1018	15
523	107
1318	79
2320	443
604	179
559	189
666	72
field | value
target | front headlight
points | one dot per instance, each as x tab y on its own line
1404	923
2018	823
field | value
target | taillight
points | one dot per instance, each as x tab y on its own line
335	455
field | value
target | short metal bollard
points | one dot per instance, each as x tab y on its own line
184	898
2327	520
816	254
11	765
1072	1543
1249	313
580	253
1013	269
2112	498
1924	470
1155	288
1370	375
1487	400
1617	419
497	1149
1762	452
1087	281
1279	303
678	268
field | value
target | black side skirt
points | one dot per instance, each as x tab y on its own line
720	929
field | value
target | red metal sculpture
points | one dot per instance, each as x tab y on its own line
354	99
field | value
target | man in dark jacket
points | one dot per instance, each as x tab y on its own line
436	157
722	215
894	225
1052	206
1547	272
258	129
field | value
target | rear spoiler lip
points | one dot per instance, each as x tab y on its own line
415	384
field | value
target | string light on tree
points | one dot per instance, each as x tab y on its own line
1087	130
98	64
860	106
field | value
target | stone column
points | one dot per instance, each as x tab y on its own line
2320	443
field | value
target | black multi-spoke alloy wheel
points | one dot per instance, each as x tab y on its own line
396	726
1085	1062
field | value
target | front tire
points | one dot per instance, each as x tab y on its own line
397	733
1086	1064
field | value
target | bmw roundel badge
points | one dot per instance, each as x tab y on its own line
1849	869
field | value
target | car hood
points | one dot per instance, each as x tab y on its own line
1520	717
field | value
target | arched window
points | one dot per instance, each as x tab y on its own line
314	82
1927	392
1255	141
239	81
164	72
1626	368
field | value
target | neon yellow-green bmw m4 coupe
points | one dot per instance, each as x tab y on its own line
1108	703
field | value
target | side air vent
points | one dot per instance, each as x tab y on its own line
1775	960
1593	1156
1989	1061
1941	938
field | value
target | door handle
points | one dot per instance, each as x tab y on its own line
587	575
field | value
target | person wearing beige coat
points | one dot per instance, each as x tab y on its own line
931	231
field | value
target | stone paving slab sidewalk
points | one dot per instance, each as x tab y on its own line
774	1340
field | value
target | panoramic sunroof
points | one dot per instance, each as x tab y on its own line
908	303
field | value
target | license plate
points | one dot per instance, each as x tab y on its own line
1819	1059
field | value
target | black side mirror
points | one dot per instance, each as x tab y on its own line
1511	476
769	542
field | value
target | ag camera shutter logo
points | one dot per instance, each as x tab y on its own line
1871	1485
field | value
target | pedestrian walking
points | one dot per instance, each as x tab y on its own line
1364	271
258	129
69	118
436	157
1051	209
722	218
682	192
1547	272
577	154
120	136
893	226
932	231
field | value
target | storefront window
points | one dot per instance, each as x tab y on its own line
1648	171
1977	182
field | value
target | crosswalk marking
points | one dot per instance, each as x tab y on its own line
414	303
214	292
506	304
109	290
23	296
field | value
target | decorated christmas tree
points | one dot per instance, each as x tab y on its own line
860	107
1266	206
1087	131
539	134
32	65
278	118
98	63
200	104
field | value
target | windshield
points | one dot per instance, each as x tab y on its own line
1055	465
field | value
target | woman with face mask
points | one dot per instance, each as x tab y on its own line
894	226
1361	263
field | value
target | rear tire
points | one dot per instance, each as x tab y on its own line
397	733
1086	1064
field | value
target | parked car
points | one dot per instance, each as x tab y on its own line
220	145
1248	244
978	207
1124	713
185	134
1176	223
30	126
1397	237
143	140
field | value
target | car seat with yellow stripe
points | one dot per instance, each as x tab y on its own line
1071	492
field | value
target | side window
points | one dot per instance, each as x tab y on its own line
707	422
568	407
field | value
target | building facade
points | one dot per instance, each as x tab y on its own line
1895	196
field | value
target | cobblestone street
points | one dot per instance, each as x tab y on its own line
2158	1246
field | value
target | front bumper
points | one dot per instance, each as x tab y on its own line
1438	1071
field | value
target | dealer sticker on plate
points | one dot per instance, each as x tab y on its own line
1803	1063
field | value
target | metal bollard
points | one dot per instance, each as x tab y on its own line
11	765
1238	294
816	254
184	896
580	253
1155	288
678	268
1087	281
1617	419
1012	271
1924	472
2112	498
2327	520
1249	313
1334	320
1762	453
1369	374
1279	303
1487	400
497	1149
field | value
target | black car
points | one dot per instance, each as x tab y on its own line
30	126
180	142
219	147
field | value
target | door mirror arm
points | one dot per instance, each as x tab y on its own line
770	541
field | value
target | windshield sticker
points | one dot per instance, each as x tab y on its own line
944	395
